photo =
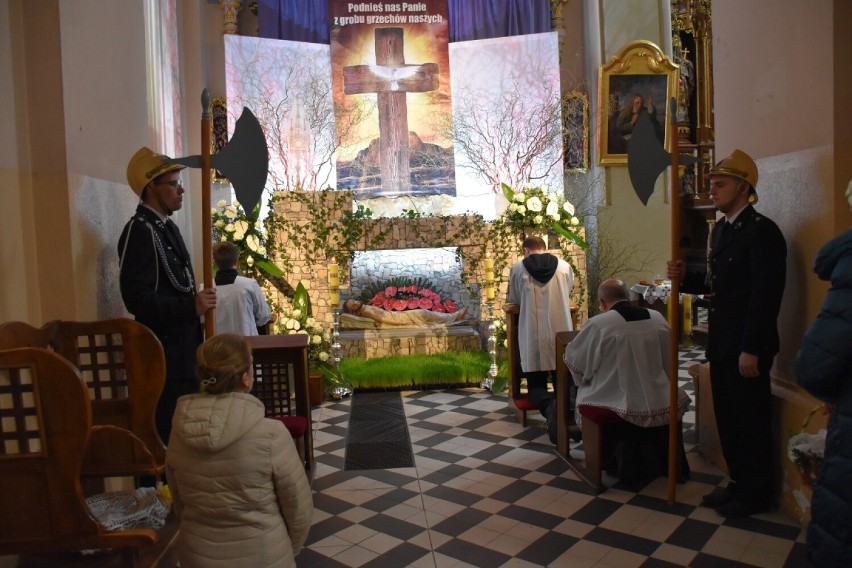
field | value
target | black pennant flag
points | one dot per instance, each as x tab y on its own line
647	158
244	160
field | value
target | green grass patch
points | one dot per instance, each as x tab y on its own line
417	372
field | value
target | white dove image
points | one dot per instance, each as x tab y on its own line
394	74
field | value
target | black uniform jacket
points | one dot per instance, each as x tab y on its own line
747	271
158	288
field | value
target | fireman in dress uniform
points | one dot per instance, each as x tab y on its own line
156	276
747	265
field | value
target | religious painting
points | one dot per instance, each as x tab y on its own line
638	80
391	85
218	132
575	127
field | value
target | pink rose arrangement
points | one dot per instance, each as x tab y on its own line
411	297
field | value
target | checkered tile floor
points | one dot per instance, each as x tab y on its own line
486	492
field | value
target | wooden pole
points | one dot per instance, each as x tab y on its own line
675	321
206	227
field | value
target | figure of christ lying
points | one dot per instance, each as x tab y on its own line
358	315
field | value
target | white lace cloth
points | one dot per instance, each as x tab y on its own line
652	293
141	508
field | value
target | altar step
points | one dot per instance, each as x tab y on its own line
371	343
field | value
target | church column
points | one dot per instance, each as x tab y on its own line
557	24
44	166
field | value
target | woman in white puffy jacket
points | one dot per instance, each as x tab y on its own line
236	477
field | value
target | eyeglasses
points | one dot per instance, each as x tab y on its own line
174	183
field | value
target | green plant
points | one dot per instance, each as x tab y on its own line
441	231
416	371
501	340
502	378
374	288
327	228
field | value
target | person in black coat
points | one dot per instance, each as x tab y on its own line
156	276
824	368
746	275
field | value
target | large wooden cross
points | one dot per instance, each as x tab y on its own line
391	79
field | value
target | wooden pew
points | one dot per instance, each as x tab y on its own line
274	356
122	363
14	334
44	435
595	425
519	402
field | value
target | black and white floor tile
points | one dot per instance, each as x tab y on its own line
486	492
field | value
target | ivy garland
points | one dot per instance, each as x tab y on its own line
328	228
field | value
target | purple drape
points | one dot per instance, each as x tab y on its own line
481	19
295	20
307	20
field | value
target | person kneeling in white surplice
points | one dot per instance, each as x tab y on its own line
620	364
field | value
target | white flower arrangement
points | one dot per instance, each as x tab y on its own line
232	224
296	321
804	447
806	450
538	209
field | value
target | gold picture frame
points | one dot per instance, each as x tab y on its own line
575	131
219	132
641	71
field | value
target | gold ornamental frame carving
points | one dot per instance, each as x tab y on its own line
575	125
639	68
219	132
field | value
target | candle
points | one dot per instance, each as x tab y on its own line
687	314
489	268
333	283
333	274
489	277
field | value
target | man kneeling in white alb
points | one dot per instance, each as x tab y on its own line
620	364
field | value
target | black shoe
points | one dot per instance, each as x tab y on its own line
575	433
550	417
717	498
740	509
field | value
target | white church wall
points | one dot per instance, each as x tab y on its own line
106	121
773	99
638	19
